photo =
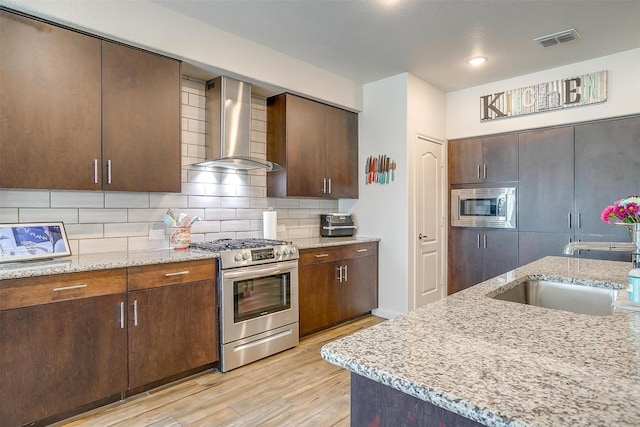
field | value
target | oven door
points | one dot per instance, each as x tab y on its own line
258	299
483	207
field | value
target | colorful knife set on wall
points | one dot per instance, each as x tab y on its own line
380	170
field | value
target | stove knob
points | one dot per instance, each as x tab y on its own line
278	252
238	257
292	251
245	256
285	251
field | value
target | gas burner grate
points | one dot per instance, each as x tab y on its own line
221	245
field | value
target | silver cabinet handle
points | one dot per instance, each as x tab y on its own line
362	250
121	314
579	220
135	312
484	171
340	274
321	255
95	171
108	171
484	241
478	240
329	185
478	167
324	185
67	288
346	276
569	219
177	273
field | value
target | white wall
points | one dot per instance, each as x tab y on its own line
381	210
395	110
623	98
148	25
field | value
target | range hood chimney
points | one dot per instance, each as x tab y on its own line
228	127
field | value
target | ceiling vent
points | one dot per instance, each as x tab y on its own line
557	38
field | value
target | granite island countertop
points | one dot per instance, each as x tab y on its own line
508	364
109	260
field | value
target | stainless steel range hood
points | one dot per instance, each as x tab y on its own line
228	127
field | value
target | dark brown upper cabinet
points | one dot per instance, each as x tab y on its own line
50	106
478	160
81	113
316	144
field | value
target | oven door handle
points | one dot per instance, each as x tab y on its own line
261	271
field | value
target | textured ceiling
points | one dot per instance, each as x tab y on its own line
367	40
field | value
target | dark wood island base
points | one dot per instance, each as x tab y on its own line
377	405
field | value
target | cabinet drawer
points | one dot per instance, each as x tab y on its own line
359	250
16	293
153	276
314	256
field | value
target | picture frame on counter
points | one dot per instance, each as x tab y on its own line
33	241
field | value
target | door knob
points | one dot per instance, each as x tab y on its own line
421	236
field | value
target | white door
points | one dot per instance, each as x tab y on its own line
429	222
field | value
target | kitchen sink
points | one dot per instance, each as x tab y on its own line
562	296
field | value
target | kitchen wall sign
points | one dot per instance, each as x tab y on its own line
379	169
554	95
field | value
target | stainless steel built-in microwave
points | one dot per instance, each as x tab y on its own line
483	207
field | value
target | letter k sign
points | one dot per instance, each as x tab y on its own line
486	106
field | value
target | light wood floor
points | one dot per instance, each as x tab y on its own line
293	388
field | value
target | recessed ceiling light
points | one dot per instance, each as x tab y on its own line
477	60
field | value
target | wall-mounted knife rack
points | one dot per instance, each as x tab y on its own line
380	169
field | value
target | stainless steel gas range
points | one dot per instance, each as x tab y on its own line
258	298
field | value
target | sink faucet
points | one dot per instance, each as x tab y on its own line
633	247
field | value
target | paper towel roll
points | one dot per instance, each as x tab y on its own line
270	224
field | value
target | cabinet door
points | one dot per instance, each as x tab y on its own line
341	138
141	120
319	296
172	329
57	357
500	158
465	158
533	245
500	252
465	259
607	169
545	190
359	287
305	147
50	106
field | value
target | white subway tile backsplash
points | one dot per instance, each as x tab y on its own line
230	203
102	215
24	199
173	201
8	215
143	243
126	229
219	214
235	225
46	215
84	231
77	199
235	202
126	200
93	246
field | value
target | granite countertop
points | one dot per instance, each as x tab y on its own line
103	261
508	364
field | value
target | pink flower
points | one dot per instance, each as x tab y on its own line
606	214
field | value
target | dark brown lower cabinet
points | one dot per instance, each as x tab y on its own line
60	356
172	330
476	255
336	284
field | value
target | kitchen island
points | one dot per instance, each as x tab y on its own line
473	360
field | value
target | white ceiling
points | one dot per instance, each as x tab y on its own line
367	40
